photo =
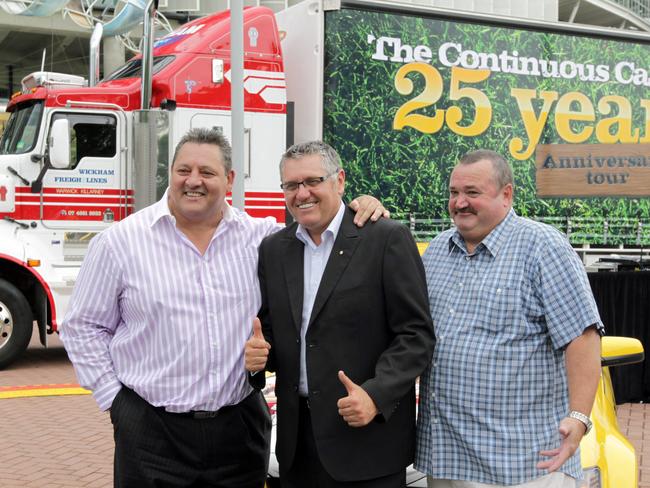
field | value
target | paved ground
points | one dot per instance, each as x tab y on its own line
52	441
63	441
634	422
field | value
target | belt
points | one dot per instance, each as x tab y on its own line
193	414
202	414
206	414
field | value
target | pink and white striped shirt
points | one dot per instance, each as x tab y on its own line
152	313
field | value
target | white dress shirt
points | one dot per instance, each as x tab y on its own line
315	260
149	311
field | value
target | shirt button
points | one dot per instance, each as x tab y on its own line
435	421
467	258
460	285
451	311
498	290
435	364
433	395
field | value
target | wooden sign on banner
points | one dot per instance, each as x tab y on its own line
593	170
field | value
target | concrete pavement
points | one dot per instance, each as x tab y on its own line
634	423
61	441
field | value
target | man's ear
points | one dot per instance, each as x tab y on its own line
508	192
230	177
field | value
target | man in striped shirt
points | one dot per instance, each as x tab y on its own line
157	325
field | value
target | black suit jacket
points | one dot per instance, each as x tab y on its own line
370	319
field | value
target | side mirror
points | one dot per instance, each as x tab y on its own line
617	351
59	143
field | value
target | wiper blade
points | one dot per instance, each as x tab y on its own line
15	173
21	224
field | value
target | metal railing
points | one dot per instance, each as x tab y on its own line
639	7
594	232
591	238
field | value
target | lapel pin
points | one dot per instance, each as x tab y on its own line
340	253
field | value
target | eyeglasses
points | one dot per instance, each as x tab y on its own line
307	183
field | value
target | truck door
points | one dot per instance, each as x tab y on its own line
91	192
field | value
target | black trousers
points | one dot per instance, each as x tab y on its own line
158	449
308	472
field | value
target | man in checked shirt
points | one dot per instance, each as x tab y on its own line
507	396
157	324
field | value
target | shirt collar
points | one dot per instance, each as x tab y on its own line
161	210
493	242
332	228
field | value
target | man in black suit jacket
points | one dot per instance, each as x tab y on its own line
345	325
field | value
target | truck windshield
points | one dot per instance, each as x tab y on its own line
22	129
133	68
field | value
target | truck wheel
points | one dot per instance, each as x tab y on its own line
16	323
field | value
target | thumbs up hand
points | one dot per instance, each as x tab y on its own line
357	408
257	349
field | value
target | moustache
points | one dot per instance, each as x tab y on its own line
465	210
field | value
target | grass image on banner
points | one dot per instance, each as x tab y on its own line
409	169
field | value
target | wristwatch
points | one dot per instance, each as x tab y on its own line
574	414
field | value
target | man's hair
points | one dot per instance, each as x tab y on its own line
202	135
330	159
501	171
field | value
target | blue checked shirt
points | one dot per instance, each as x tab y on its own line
496	389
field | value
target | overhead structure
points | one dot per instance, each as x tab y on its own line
119	17
126	19
36	8
603	13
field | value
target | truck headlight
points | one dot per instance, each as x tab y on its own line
591	478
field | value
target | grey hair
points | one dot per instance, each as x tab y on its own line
330	159
501	171
203	135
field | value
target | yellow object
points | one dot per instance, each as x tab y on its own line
621	350
422	246
605	447
34	392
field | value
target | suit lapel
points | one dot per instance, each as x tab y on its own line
345	244
293	262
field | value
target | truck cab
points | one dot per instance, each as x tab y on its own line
74	159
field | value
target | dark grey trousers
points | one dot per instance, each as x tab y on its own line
307	470
158	449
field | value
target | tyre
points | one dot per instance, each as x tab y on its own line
16	323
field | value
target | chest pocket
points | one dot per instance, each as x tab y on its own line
499	306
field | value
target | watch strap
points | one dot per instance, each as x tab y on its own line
574	414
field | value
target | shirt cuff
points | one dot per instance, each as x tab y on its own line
106	393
